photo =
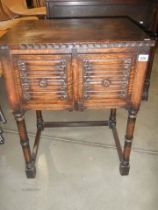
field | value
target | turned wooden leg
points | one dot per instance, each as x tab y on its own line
30	166
124	165
40	127
146	89
112	118
40	123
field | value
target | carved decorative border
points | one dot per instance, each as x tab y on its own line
87	45
71	46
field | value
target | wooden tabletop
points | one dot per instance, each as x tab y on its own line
74	31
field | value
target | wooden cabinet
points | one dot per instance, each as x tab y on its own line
75	65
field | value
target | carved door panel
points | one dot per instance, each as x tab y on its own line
44	81
105	80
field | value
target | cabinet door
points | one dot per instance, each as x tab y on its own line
105	80
44	81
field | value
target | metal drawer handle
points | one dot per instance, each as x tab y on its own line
43	83
106	83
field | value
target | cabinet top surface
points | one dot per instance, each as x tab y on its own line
74	31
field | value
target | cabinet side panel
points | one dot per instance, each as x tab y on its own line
10	83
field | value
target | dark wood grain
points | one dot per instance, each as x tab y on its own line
74	31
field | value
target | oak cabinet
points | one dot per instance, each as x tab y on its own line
75	65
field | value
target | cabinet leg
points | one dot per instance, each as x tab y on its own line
148	75
40	122
124	165
24	140
112	118
146	90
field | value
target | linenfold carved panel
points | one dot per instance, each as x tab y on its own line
106	77
43	77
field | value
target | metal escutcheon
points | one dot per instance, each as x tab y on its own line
43	83
106	82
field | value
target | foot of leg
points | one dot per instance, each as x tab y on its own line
31	172
124	169
30	168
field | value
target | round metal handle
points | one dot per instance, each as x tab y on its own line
43	83
106	82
